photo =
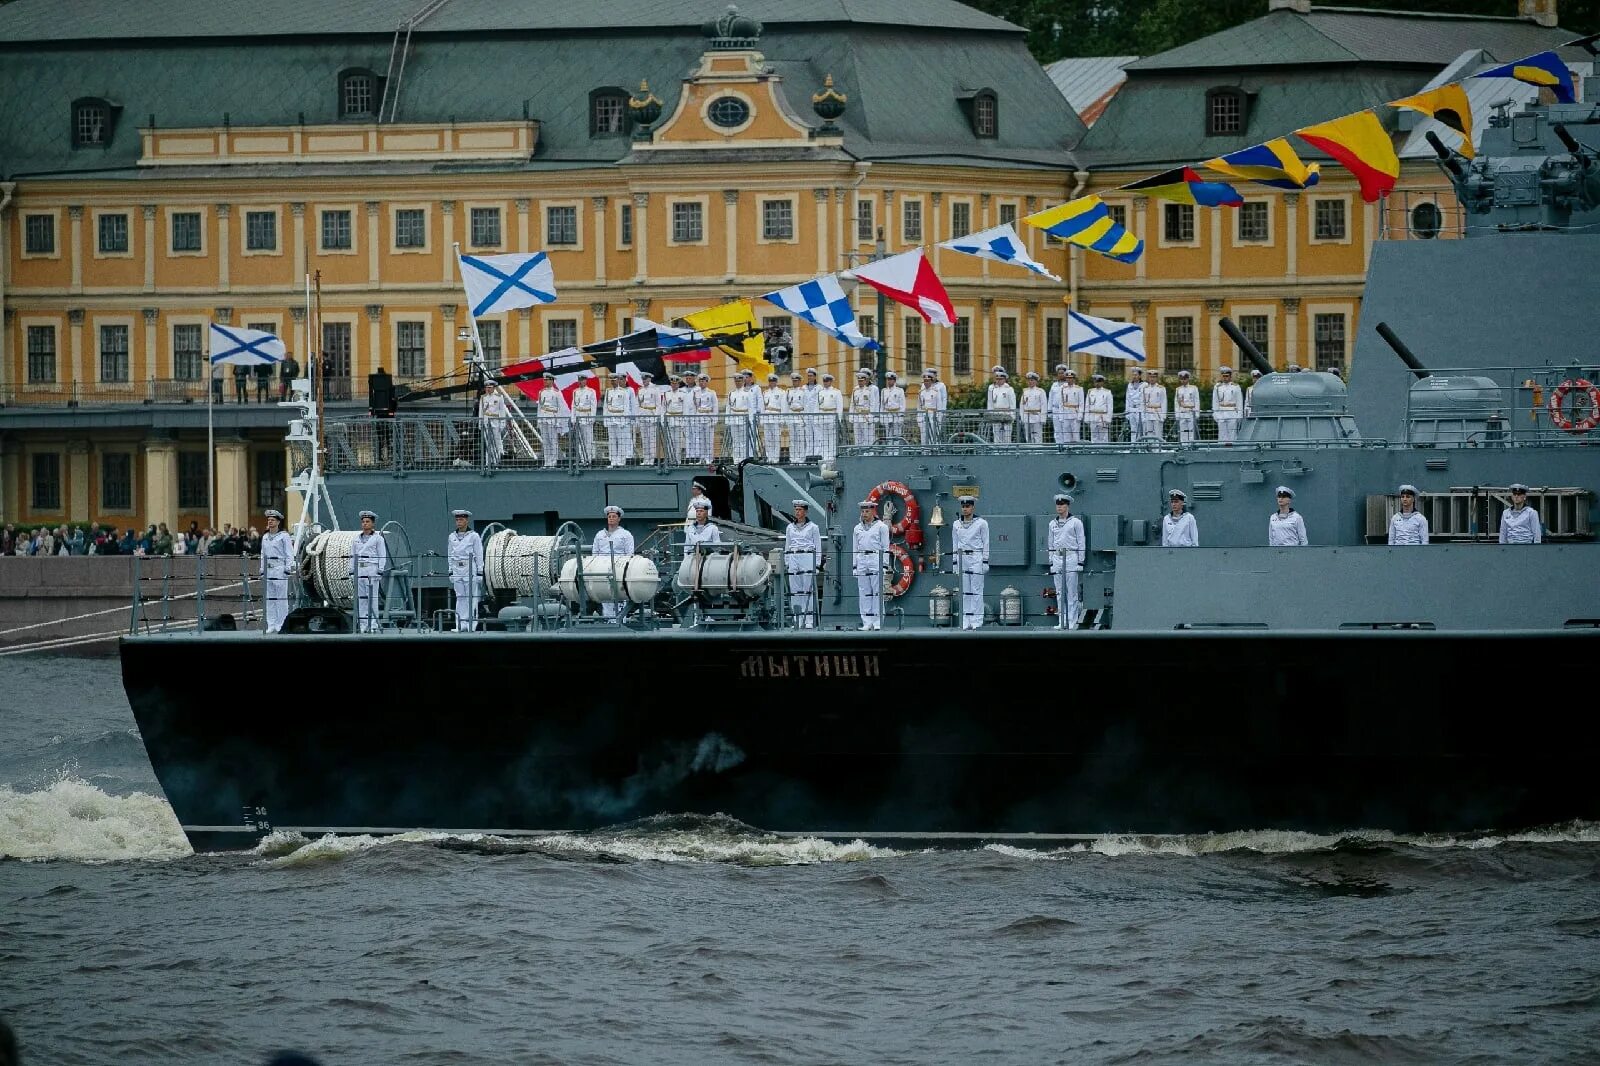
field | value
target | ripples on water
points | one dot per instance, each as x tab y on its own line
682	939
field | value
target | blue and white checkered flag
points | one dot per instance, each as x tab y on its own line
822	303
504	282
1000	244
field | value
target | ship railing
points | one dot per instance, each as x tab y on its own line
986	431
208	593
1490	407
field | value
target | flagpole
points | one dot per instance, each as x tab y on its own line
211	443
472	319
883	310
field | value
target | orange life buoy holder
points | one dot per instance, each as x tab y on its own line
910	524
1558	417
900	561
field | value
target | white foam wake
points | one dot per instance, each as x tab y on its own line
1287	842
75	821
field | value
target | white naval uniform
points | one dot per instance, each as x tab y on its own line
1408	529
1031	408
830	405
1286	530
814	433
893	403
276	559
464	551
553	423
648	423
1097	406
697	535
369	561
969	543
741	423
1002	408
1133	409
864	406
1065	406
1518	525
800	411
1187	401
774	406
1249	412
621	409
1155	410
1227	407
869	554
802	554
492	424
931	402
609	543
1180	532
675	404
1065	542
585	404
688	516
706	405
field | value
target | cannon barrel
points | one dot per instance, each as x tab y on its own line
1447	158
1244	344
1411	361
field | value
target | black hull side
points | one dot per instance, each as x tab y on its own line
995	733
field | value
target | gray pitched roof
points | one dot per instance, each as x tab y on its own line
1083	81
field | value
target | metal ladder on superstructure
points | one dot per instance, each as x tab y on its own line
389	106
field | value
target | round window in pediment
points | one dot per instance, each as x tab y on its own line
729	112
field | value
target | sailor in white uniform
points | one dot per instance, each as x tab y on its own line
697	492
830	408
1133	403
1065	406
1518	525
799	420
1002	406
1065	544
493	422
369	561
648	418
277	561
1155	406
774	409
1186	402
702	531
585	405
675	418
1097	410
1177	526
865	402
802	556
740	418
611	542
1255	378
1030	409
931	403
1286	529
1227	406
464	554
622	408
706	406
893	404
869	554
814	421
554	419
1408	526
969	544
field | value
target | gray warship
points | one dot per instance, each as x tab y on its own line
1348	683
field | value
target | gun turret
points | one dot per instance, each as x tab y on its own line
1244	344
1449	160
1411	361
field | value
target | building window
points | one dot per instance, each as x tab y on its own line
1328	332
1253	220
1008	214
39	234
271	478
41	355
357	94
1177	344
866	230
486	227
911	221
91	123
777	220
1054	342
960	218
490	336
186	231
561	225
194	481
961	346
728	112
410	228
913	345
1328	220
868	325
116	481
336	354
608	109
1178	223
186	357
625	225
336	233
46	481
112	234
1257	330
1008	345
1426	221
114	353
411	345
1118	213
563	333
688	223
261	231
1224	112
986	115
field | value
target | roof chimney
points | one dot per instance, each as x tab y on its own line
1303	7
1542	12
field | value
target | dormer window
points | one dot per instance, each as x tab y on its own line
358	94
1225	112
985	115
608	112
91	123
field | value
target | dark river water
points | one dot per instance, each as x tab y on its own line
686	940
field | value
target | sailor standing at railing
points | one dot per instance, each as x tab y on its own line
1133	403
585	405
1255	378
1155	406
464	555
892	401
277	560
1408	526
675	410
648	418
1178	529
621	407
1001	405
1065	542
865	403
969	543
830	409
802	555
1286	529
706	406
701	531
814	422
799	420
369	561
1097	406
741	414
554	419
1031	407
930	406
1065	406
774	408
493	422
869	554
1519	524
611	543
1186	401
1227	406
697	493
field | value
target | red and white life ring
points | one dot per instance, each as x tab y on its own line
1559	418
901	562
911	513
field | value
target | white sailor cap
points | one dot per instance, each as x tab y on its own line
1071	373
461	512
863	373
612	508
1031	374
1224	369
934	371
800	503
1178	494
1135	370
891	374
749	373
701	485
827	377
1516	486
868	505
704	376
647	375
928	373
795	374
1407	488
772	377
964	500
1062	497
1294	368
549	377
1000	371
1063	367
1098	377
811	371
1284	490
1255	373
702	505
368	514
273	512
1183	373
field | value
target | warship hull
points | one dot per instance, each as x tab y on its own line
995	734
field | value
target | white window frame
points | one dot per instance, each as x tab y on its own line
1239	311
577	329
1311	219
1309	313
277	229
22	233
855	219
63	352
498	319
355	229
577	225
170	362
1196	314
717	93
126	321
482	205
170	213
394	221
1016	209
426	322
626	206
972	218
705	221
94	233
922	221
794	219
1271	238
1161	226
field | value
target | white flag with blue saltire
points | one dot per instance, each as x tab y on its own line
248	347
1103	337
506	282
1000	244
822	302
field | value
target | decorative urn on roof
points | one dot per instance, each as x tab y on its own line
829	105
731	31
645	108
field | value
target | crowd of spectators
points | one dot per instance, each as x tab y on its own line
95	539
